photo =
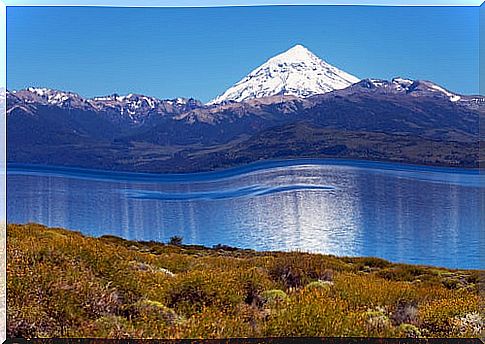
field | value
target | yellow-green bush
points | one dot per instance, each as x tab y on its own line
437	316
61	283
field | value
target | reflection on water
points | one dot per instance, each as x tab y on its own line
424	215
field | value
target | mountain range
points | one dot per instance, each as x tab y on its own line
293	106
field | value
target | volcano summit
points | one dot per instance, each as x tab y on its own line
296	72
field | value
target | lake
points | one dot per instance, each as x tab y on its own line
403	213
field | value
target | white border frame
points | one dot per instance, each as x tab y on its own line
177	3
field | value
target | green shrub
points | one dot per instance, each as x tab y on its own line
111	326
176	240
324	285
274	297
377	321
255	281
371	262
410	331
153	310
402	273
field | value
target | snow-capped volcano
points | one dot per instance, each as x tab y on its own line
296	72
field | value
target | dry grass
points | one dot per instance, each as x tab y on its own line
61	283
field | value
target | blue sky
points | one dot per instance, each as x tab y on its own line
199	52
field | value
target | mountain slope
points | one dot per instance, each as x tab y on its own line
401	120
296	72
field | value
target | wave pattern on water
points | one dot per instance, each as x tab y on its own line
420	172
250	191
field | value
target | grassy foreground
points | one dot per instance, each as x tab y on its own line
61	283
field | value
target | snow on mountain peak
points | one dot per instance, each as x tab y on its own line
296	71
414	87
40	91
48	95
297	53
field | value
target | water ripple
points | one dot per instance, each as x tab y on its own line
461	176
250	191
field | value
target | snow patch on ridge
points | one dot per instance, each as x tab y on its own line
453	97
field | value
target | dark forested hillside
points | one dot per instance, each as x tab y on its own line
382	120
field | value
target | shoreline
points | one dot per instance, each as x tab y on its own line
234	249
240	169
228	248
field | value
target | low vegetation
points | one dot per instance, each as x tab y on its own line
61	283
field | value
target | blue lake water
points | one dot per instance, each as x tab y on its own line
399	212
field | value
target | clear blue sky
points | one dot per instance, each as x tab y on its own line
199	52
